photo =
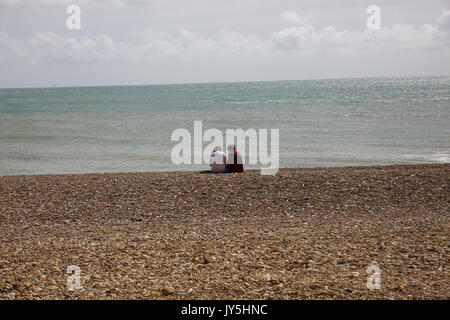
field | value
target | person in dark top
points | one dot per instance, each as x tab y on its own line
234	161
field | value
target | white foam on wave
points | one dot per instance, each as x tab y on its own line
440	157
434	157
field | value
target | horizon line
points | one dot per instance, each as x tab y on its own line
221	82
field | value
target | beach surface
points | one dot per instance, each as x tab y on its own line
302	234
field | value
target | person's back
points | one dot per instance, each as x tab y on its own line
234	161
218	161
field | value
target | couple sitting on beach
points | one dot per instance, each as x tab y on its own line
219	163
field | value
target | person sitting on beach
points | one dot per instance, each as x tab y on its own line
218	160
234	161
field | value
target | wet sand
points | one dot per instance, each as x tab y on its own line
303	234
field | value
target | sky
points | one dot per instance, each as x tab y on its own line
138	42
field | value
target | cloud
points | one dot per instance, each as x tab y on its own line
51	46
231	42
9	49
302	36
294	19
186	44
291	17
444	20
141	45
294	37
402	36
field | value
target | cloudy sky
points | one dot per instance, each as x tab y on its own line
126	42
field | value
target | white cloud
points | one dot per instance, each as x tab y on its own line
141	45
150	44
9	49
294	37
231	42
293	18
404	37
57	48
304	36
444	20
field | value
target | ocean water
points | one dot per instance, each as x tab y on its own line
321	123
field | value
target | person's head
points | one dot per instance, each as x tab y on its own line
217	148
231	148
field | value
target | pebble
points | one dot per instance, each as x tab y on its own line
242	246
167	291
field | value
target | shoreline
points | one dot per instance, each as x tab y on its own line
306	233
249	170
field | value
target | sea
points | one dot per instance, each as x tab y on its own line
321	123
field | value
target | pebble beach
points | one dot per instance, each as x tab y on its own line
302	234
